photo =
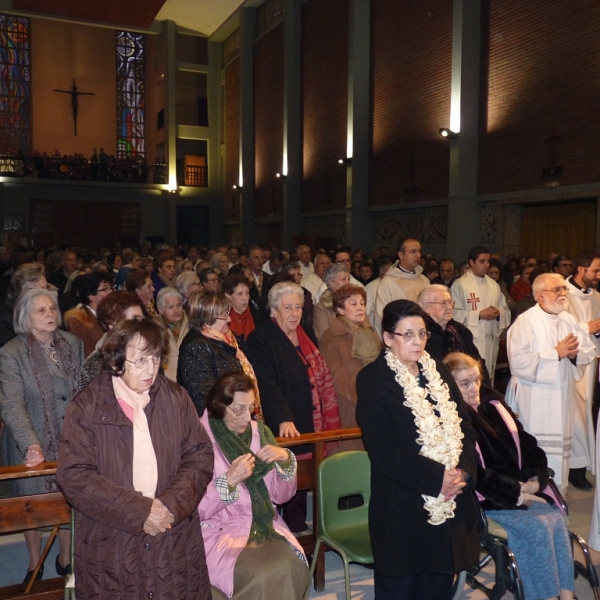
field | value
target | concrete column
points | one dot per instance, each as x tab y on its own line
358	216
247	179
170	101
463	211
292	122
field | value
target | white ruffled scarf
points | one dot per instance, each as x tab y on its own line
439	436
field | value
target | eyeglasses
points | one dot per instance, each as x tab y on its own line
142	361
443	303
557	290
594	271
410	335
224	317
239	411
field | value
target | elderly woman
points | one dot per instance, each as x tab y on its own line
348	345
512	476
28	276
134	462
220	263
209	349
170	307
38	373
140	283
296	388
422	449
237	290
115	308
250	551
187	283
336	276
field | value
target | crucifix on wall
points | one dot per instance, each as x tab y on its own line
74	101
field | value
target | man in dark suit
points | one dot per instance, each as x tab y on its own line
260	290
447	335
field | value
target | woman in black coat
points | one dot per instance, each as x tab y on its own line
422	516
209	349
512	476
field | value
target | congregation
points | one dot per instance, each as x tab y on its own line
245	344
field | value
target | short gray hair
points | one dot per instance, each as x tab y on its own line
26	273
279	290
22	317
166	292
540	282
429	290
185	279
288	266
333	269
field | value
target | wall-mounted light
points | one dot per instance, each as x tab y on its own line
280	175
237	187
345	161
448	133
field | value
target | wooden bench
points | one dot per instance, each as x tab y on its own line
52	510
32	512
307	480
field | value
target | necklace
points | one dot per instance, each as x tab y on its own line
439	435
50	349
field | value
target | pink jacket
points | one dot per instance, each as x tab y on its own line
226	529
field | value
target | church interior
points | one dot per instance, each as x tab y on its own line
325	122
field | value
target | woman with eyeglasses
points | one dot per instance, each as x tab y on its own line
250	551
209	349
417	432
134	462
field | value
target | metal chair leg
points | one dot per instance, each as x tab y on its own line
588	571
313	564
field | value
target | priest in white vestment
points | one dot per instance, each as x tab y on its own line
480	305
584	305
548	351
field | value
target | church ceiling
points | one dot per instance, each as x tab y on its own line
132	13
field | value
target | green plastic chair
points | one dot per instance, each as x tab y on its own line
344	530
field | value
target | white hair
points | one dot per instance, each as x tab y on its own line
279	290
23	305
166	292
540	282
186	279
428	291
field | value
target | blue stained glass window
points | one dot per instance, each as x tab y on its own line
131	94
15	87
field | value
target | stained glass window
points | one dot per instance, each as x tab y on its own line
15	88
131	94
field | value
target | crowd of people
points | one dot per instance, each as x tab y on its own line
159	379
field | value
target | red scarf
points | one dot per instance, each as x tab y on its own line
326	415
242	324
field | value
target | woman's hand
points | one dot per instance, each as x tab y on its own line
452	484
159	519
34	456
529	499
288	429
273	453
241	468
530	487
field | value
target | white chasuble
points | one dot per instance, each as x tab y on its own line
584	307
471	295
541	385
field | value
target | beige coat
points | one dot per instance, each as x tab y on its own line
336	347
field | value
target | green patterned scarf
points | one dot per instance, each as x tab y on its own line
233	445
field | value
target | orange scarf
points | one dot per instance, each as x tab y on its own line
242	324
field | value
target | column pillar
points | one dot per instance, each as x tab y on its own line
247	173
463	211
292	122
358	216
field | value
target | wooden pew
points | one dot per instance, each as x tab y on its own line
307	480
32	512
44	510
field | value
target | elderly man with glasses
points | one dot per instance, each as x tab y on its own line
548	351
447	335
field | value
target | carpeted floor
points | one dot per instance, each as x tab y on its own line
13	561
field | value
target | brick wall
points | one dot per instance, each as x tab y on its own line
325	103
412	62
232	139
268	120
540	95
